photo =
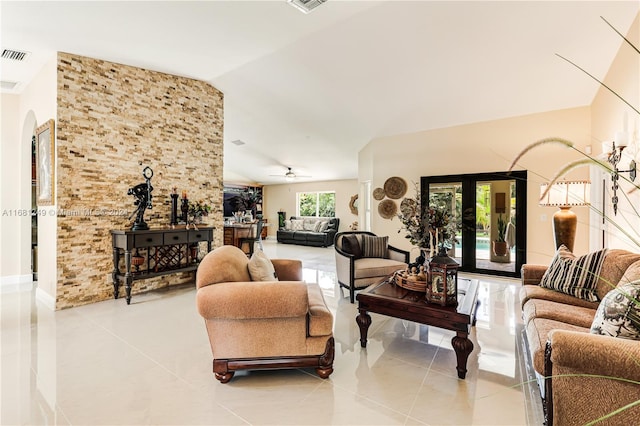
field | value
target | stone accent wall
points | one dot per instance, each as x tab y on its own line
112	121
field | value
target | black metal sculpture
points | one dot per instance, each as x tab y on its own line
142	193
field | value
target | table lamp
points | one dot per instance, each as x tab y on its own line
565	194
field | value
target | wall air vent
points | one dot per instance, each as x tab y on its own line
306	6
8	85
14	55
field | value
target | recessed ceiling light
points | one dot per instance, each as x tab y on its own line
8	85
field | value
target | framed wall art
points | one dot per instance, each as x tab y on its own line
45	162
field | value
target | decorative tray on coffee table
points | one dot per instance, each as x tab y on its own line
410	282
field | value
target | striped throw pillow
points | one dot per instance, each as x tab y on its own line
576	276
374	246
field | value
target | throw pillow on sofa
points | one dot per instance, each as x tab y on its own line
309	225
618	314
297	224
576	276
351	245
261	268
374	246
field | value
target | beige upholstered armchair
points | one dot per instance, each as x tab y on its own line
274	323
362	258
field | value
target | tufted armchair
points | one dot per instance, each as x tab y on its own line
262	324
362	258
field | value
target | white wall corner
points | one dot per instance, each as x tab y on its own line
46	299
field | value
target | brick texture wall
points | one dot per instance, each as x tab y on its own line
112	121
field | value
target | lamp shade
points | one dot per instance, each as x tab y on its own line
566	193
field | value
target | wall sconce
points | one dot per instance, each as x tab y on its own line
614	155
565	194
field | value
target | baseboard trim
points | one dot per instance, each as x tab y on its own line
16	283
46	299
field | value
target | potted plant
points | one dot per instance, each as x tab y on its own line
197	210
500	244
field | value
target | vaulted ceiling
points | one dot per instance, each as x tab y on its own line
309	91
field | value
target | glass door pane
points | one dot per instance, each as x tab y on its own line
449	196
495	225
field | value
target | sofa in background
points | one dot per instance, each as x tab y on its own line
582	375
257	321
309	231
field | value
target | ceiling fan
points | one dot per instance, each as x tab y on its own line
290	175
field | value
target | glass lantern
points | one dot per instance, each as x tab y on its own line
443	280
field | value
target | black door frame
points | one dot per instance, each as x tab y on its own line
469	182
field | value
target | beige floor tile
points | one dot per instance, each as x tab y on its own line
150	363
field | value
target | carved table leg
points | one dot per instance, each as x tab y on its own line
463	347
114	274
364	321
128	278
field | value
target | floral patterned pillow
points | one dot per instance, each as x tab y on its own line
618	314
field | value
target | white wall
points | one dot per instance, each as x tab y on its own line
485	147
11	269
283	198
609	116
38	100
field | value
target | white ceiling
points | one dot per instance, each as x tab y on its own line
310	91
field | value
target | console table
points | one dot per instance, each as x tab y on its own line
155	252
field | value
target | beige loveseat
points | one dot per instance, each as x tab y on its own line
281	323
582	376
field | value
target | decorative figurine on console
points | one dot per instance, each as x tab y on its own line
142	193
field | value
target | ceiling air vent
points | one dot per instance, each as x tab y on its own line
237	142
14	55
306	6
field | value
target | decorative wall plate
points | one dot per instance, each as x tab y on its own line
378	194
395	187
387	209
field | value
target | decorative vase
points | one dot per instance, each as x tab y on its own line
193	251
500	248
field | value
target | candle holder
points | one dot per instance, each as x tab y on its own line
174	207
184	208
613	157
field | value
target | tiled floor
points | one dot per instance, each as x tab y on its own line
150	363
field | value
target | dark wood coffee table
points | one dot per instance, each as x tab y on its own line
389	299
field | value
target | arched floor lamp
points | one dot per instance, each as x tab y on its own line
565	194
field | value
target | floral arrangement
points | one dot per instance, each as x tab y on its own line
431	228
199	208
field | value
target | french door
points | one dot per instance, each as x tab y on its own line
490	210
